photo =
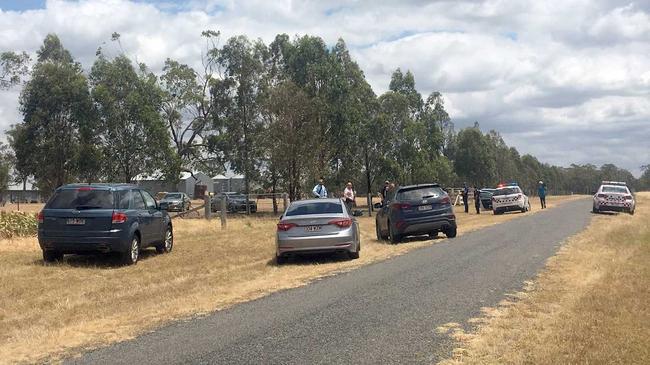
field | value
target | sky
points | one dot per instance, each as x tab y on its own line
566	81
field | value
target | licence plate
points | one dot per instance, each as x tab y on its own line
312	228
75	221
425	207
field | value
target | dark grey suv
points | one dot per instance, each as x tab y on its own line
92	218
416	210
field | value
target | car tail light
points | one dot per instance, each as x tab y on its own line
602	196
401	206
41	217
445	200
118	218
342	223
284	226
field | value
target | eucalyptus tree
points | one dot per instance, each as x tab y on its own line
133	138
55	143
13	66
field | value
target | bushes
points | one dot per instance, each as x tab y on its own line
17	224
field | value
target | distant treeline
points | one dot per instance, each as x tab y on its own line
282	114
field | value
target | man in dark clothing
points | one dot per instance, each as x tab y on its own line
466	197
541	191
384	192
477	200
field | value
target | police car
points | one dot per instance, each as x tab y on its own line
509	197
614	196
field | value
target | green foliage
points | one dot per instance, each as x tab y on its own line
17	224
12	66
58	118
132	137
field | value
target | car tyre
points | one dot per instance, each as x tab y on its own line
380	236
52	256
595	210
131	256
353	255
395	237
451	232
280	260
168	243
631	211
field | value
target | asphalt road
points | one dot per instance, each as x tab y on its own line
386	312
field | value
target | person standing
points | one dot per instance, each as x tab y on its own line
541	191
477	200
466	197
349	196
384	192
319	190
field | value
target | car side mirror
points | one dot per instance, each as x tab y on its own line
357	213
377	206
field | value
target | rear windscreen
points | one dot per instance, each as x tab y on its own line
81	199
315	208
506	191
615	189
420	193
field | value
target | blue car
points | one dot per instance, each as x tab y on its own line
103	218
416	210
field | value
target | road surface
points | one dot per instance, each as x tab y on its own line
386	312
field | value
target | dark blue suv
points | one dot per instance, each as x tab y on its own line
416	210
102	218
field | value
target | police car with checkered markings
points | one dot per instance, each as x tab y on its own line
614	196
509	197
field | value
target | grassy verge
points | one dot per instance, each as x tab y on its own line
589	306
47	312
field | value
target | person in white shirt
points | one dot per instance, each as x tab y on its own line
348	196
319	190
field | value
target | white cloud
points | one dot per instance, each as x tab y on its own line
549	75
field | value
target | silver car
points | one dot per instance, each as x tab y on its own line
317	226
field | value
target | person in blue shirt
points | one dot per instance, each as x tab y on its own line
541	191
319	190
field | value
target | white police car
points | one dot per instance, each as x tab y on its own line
508	198
614	196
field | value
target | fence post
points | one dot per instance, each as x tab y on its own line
223	212
208	207
285	201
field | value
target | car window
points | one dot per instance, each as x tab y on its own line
149	201
124	198
315	208
81	198
615	189
138	201
420	193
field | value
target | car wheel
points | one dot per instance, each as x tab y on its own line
395	237
380	236
168	244
631	211
281	260
131	256
451	232
52	256
595	210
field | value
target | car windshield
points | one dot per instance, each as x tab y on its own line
506	191
615	189
81	199
315	208
487	193
420	193
173	196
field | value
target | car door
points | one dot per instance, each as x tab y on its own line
155	217
143	216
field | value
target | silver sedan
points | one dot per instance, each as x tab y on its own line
317	226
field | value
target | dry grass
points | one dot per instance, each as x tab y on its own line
47	312
589	306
